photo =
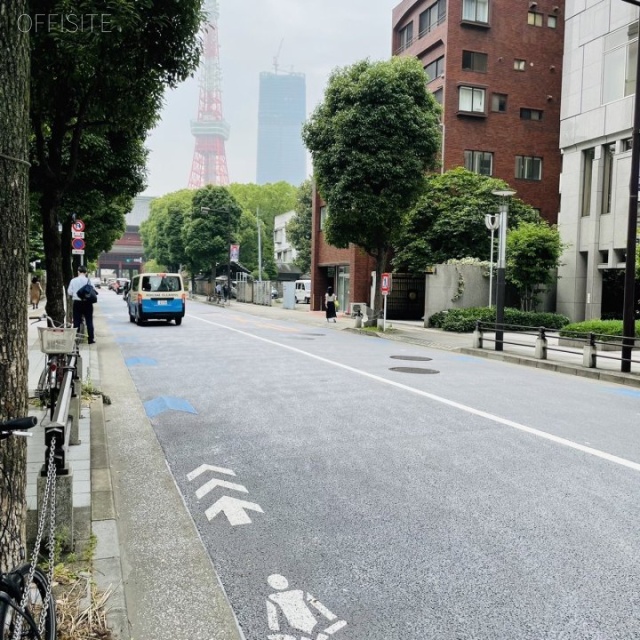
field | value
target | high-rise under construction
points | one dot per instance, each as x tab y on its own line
281	114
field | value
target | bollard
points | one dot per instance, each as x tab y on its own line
477	336
75	407
590	353
541	345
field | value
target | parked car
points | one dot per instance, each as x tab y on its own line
96	282
303	291
274	293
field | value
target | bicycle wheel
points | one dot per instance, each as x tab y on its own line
35	604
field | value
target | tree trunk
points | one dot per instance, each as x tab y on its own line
53	253
14	243
381	257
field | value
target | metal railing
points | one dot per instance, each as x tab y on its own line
592	344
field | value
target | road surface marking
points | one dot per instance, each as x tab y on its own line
451	403
234	509
208	467
213	483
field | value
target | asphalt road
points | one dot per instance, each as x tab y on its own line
481	501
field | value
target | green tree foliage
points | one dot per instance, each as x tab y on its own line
94	94
263	202
207	233
162	231
533	255
299	227
448	221
372	139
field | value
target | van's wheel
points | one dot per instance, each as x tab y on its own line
131	318
139	320
178	321
307	300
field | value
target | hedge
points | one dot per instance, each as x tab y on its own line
464	320
599	327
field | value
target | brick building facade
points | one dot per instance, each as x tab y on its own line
496	68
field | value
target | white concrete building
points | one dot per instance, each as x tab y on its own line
284	253
600	56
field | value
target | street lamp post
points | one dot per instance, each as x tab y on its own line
504	196
628	316
492	223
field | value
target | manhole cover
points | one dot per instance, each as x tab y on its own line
413	358
412	370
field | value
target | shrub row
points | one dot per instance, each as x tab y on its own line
464	320
600	327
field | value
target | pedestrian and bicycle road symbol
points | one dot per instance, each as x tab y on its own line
293	610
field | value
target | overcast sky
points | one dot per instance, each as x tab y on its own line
316	35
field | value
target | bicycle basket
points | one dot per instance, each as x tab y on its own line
57	340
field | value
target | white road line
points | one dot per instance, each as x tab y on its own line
451	403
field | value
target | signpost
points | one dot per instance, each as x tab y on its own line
385	288
77	239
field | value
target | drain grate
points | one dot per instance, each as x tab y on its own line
413	370
412	358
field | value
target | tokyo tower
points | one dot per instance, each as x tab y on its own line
210	129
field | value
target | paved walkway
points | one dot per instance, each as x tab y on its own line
93	495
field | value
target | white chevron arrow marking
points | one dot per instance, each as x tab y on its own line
234	509
214	482
208	467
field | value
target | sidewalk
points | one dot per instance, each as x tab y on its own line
121	497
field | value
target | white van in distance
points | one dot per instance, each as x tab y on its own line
303	291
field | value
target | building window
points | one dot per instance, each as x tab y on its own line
620	59
499	102
530	114
535	19
479	162
528	168
323	217
475	10
471	99
519	65
587	173
626	144
406	36
607	151
552	22
474	61
435	69
432	17
438	95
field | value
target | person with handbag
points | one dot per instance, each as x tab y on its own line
82	308
330	304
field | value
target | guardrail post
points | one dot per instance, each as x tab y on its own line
477	336
590	353
541	345
60	429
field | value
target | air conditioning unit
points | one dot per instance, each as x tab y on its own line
358	309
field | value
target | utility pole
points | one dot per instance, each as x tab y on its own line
259	246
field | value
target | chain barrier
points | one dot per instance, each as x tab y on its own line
48	504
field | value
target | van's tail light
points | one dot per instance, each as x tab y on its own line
184	298
139	298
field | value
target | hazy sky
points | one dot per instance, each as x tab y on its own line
316	35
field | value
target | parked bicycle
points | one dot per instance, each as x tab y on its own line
57	341
27	607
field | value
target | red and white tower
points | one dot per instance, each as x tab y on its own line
210	129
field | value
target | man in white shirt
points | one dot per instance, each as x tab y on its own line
81	307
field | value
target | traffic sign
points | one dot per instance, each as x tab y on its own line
77	234
77	243
78	225
385	284
77	252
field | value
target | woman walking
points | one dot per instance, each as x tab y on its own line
330	304
35	292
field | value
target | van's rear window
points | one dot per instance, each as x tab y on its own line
161	283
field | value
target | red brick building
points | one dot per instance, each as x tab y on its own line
495	66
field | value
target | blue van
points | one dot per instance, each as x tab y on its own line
156	296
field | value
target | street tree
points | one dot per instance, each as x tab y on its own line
533	256
212	224
14	255
299	227
372	139
106	80
448	222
